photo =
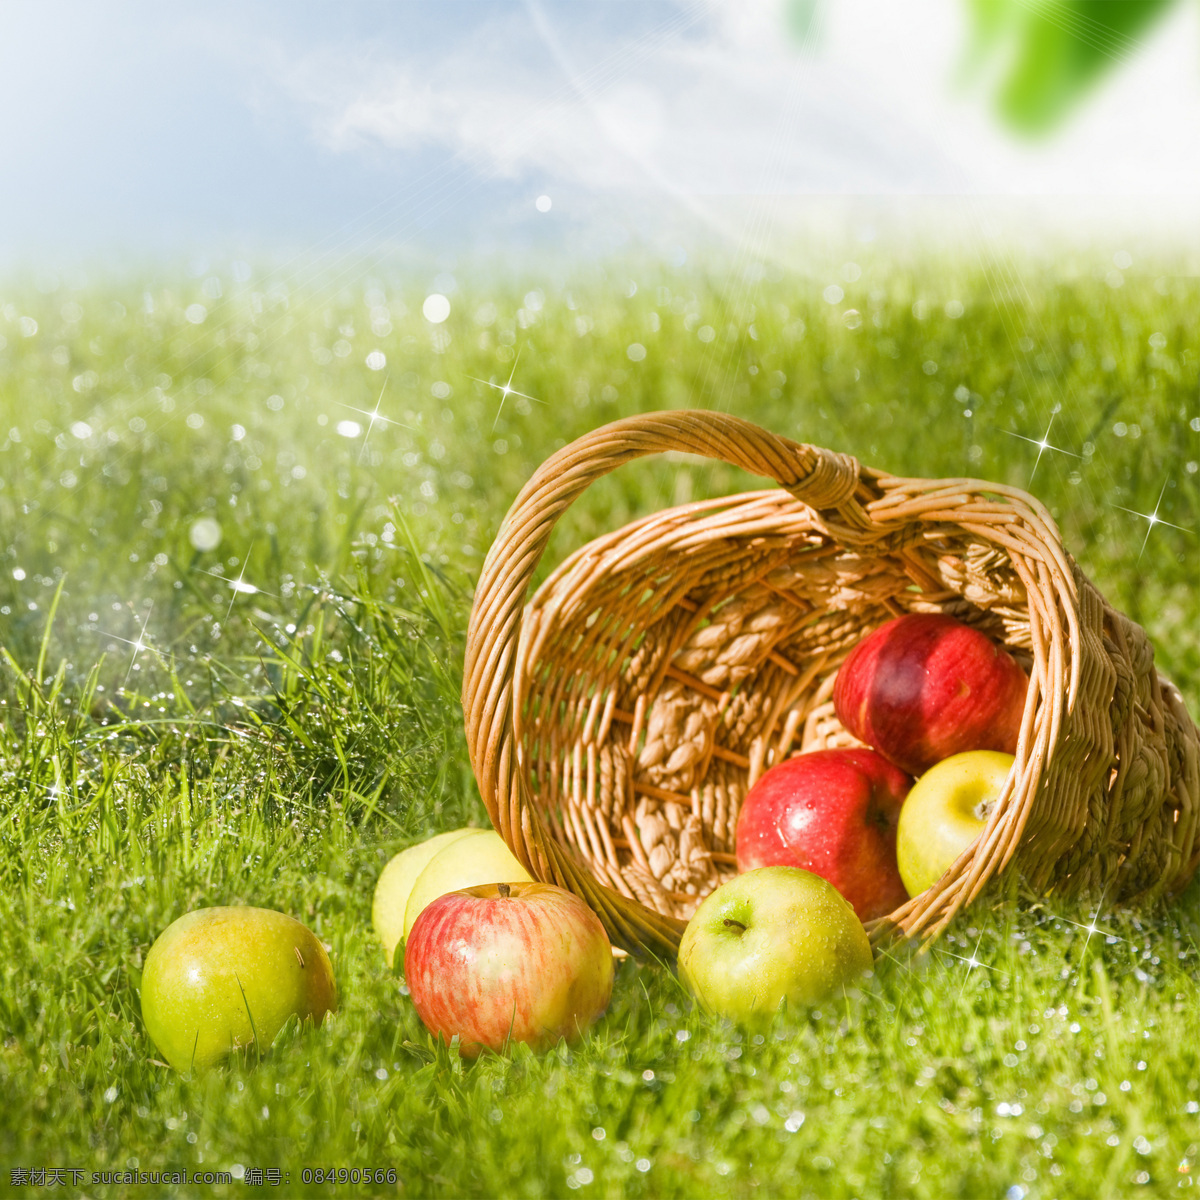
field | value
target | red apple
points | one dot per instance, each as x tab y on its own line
520	962
925	686
834	813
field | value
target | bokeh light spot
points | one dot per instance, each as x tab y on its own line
205	534
436	308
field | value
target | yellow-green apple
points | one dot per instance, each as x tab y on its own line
223	979
396	884
519	962
771	935
923	687
480	856
945	812
832	812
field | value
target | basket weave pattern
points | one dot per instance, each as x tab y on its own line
616	720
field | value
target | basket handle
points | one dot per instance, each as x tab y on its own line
826	481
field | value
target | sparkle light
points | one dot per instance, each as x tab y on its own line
239	586
1153	519
506	389
139	644
374	417
1042	443
1092	929
973	963
53	790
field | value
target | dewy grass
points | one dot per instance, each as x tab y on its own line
267	719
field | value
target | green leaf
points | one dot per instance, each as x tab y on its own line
1057	50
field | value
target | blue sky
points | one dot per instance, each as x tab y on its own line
136	124
137	127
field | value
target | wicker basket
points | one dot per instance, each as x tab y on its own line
616	720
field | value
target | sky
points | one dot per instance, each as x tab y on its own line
139	128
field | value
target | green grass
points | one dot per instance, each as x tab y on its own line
279	750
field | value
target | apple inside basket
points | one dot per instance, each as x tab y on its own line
617	719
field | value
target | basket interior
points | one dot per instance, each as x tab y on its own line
664	666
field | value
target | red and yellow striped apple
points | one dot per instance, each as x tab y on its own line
520	962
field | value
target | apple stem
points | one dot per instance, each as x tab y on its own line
504	890
730	921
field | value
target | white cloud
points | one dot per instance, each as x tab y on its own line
719	99
714	100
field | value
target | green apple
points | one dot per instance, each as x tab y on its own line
478	857
223	979
396	883
771	935
945	812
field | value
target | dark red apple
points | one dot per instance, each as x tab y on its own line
925	686
834	813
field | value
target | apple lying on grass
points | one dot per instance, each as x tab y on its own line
832	812
508	962
924	687
395	886
772	935
219	980
945	812
479	856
